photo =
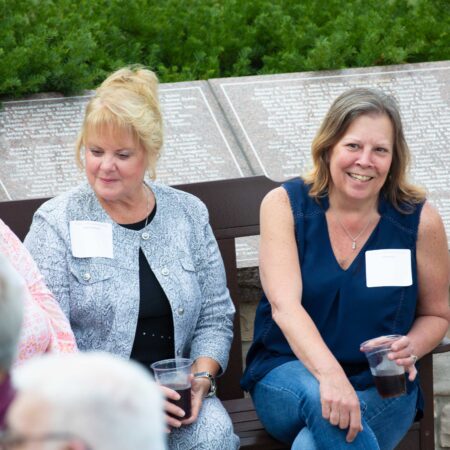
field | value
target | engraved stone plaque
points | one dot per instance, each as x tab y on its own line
199	145
275	118
37	140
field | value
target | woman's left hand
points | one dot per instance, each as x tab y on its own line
402	352
199	390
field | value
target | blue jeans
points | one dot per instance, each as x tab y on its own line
287	401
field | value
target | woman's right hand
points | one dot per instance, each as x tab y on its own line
172	409
340	404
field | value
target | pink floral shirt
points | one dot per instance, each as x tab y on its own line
45	327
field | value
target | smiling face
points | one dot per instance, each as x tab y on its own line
115	164
359	162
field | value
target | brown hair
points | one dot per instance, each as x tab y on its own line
345	109
128	100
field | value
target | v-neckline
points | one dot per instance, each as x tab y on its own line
326	205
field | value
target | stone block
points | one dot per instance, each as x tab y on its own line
441	373
444	422
37	140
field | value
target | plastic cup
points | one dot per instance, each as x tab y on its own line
175	374
389	377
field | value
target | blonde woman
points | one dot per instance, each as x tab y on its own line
134	263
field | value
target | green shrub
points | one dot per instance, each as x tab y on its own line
70	45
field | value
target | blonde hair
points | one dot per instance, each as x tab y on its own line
127	100
345	109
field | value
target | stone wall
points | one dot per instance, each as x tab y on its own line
250	290
441	365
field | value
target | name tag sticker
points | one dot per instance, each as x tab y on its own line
91	239
390	267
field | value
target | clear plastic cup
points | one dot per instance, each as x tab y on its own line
176	374
389	377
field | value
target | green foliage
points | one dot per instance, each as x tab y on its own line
70	45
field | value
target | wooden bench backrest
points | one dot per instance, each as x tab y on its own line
234	212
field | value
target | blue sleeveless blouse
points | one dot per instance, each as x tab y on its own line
345	311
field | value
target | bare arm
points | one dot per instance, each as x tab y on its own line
281	280
433	273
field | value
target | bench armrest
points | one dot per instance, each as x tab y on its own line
443	347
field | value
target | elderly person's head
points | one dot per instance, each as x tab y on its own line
121	135
12	292
93	401
345	110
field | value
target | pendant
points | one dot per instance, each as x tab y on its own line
353	245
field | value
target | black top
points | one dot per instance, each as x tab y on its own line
154	339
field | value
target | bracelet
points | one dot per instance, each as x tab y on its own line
212	381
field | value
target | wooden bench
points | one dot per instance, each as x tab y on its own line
234	212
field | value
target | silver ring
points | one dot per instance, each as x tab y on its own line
414	358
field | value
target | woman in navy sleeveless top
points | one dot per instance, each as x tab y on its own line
349	253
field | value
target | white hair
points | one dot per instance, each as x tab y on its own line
12	294
107	402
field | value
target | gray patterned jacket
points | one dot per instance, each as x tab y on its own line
100	296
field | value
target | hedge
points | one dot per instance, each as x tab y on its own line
70	45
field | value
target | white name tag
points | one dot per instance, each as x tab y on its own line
390	267
91	239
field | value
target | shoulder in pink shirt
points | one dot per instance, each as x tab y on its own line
45	327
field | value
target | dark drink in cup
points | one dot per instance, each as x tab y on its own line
185	399
176	374
389	386
389	377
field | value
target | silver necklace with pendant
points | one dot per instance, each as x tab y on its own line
147	190
353	238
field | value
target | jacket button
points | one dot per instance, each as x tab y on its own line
165	271
86	276
178	352
180	311
145	236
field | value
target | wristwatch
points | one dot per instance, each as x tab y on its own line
212	380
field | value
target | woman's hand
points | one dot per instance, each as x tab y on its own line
340	404
402	352
172	409
199	390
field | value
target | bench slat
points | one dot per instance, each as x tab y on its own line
260	440
244	416
239	405
248	426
